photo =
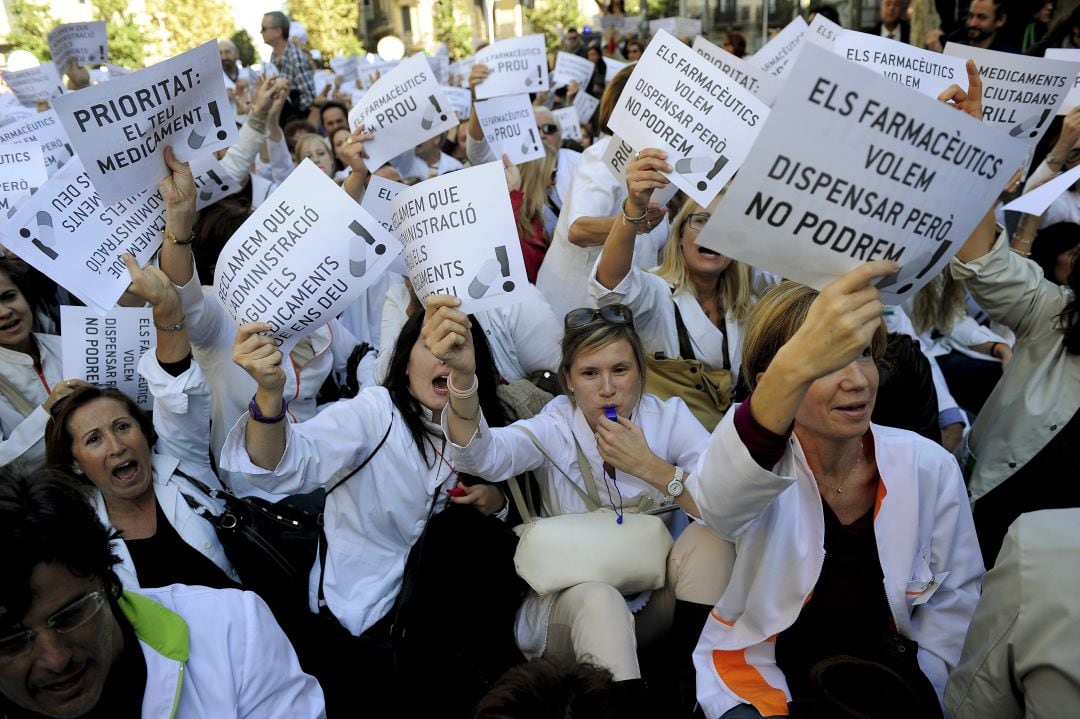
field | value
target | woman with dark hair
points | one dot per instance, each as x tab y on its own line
30	373
1054	250
856	567
380	524
596	84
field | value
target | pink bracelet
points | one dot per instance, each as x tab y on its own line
463	393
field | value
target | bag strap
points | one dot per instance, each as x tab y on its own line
586	472
686	351
24	406
363	464
527	515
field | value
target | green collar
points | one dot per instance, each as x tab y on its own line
160	628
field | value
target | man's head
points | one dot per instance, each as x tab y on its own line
229	54
985	18
890	12
275	29
334	116
573	40
59	636
550	131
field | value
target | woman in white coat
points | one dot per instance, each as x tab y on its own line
635	459
857	567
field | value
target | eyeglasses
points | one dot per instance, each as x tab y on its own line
697	221
549	128
66	620
616	314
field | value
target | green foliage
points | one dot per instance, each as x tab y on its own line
190	23
453	27
30	28
553	17
331	24
127	39
244	47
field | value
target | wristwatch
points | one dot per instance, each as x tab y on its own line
675	486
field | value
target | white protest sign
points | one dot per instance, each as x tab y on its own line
617	156
824	32
323	79
1020	93
680	27
570	67
105	351
678	101
345	67
402	109
212	182
612	67
1038	200
305	254
459	71
87	42
1070	55
35	83
45	129
517	65
121	129
460	99
586	105
69	233
848	170
776	55
22	172
928	72
754	79
461	239
509	127
440	65
567	117
379	194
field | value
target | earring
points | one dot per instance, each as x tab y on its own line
77	470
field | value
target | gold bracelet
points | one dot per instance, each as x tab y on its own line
171	238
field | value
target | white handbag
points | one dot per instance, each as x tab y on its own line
555	553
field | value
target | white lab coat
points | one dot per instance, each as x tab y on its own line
24	435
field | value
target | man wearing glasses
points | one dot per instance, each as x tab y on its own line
74	643
291	62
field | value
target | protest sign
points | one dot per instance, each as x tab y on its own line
776	55
517	65
120	130
824	32
1072	99
678	101
848	170
617	156
586	105
212	181
1020	93
43	128
379	194
11	110
680	27
460	99
22	172
459	71
69	233
567	117
509	127
570	67
1038	200
440	66
35	84
105	351
402	109
754	79
305	254
928	72
612	67
461	239
87	42
345	67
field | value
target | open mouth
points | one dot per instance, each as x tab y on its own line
707	252
439	385
126	471
855	409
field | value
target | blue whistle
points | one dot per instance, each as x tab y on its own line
610	413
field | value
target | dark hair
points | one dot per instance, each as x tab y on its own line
58	439
1070	316
397	378
828	11
634	41
30	283
281	20
738	43
543	689
331	104
44	518
1051	242
216	224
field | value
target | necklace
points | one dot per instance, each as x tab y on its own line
840	489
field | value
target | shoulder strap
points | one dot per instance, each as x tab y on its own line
586	472
363	464
686	351
527	515
24	406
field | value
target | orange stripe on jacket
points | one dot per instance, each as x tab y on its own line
746	681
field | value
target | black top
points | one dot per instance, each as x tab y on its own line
847	608
166	558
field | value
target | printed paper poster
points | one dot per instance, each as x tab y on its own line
87	42
105	350
509	126
517	65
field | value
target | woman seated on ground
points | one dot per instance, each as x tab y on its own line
636	459
140	472
378	520
852	540
694	304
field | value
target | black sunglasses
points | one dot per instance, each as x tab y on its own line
549	128
616	314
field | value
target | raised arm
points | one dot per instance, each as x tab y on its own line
259	357
643	176
447	332
353	153
178	192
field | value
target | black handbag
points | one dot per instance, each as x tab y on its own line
272	545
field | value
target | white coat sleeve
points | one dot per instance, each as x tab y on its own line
24	436
281	162
181	414
206	319
501	452
478	151
237	161
649	299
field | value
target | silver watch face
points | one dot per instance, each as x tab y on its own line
675	487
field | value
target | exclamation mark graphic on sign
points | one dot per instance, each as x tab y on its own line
893	279
539	77
45	241
430	113
532	138
358	250
205	195
195	140
697	165
1030	125
490	272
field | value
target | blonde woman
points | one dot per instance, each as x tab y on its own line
528	184
317	149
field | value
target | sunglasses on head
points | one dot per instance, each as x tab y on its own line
549	128
616	314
